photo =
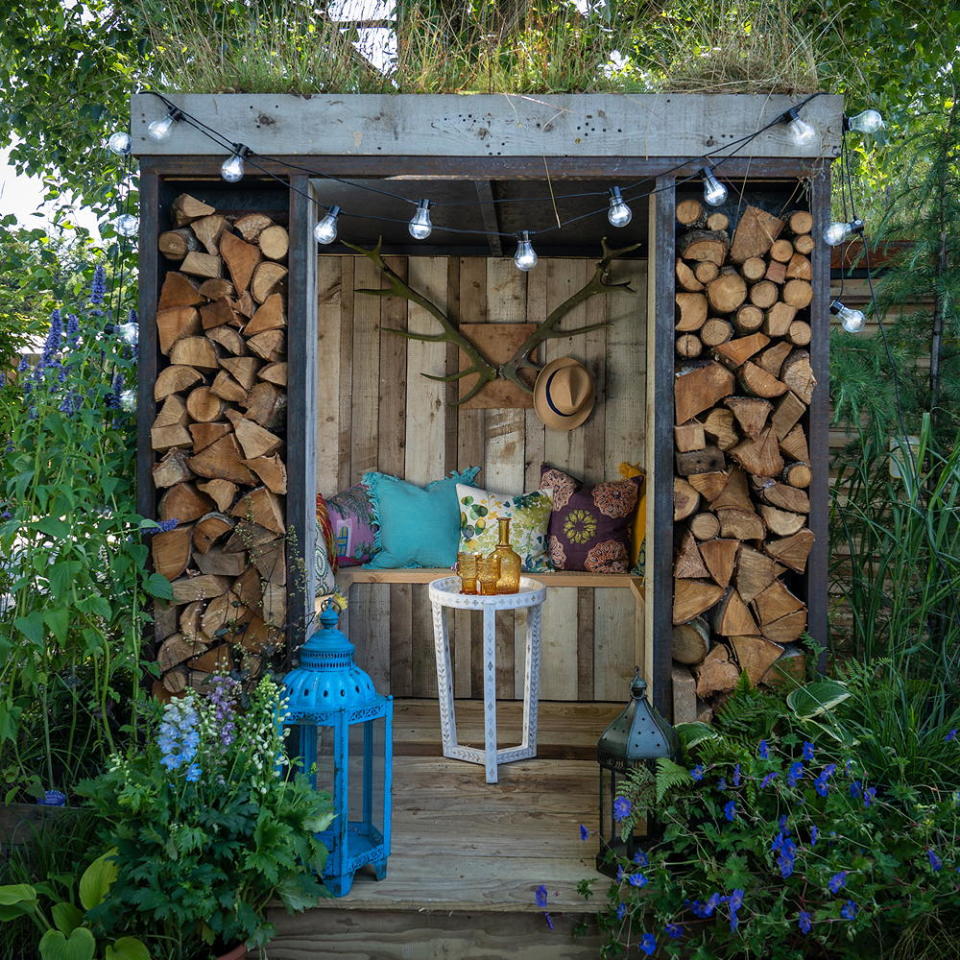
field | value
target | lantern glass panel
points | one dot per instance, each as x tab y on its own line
312	747
367	757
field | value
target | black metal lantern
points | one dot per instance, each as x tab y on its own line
635	739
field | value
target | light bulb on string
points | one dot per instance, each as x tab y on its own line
232	168
326	229
867	121
127	225
421	226
619	213
128	401
120	143
714	192
129	333
836	233
852	321
526	257
161	129
801	133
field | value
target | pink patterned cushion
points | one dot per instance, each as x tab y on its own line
351	520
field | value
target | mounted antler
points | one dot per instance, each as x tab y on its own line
479	364
598	283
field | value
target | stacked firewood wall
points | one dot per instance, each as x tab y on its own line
218	439
742	390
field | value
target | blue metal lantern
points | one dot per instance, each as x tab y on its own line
342	734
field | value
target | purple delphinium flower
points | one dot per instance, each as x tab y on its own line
648	944
73	331
763	750
540	896
51	346
621	910
804	922
837	882
730	810
23	365
769	778
696	773
951	736
221	694
113	395
794	774
849	910
736	775
584	832
621	808
936	864
807	752
673	930
98	287
637	880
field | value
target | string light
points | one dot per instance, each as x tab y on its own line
127	225
129	333
526	257
714	192
161	129
801	133
120	143
619	213
421	226
868	121
232	168
326	230
836	233
852	321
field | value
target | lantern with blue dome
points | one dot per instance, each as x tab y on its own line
340	730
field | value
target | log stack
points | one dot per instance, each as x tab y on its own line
742	391
218	441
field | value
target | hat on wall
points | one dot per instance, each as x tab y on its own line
563	394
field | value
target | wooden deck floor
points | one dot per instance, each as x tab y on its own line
463	847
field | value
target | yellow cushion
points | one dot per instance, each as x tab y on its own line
639	534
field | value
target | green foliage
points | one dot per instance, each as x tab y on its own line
206	829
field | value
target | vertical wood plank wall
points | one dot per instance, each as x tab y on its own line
375	412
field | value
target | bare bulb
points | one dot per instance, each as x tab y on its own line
232	169
836	233
326	230
129	333
421	226
526	257
120	143
801	132
160	129
869	121
127	225
714	192
852	321
619	213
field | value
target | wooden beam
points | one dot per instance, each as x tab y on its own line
491	220
148	355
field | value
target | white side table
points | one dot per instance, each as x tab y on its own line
446	593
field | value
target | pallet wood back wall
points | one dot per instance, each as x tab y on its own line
218	439
378	413
742	395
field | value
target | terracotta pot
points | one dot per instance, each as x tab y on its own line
237	953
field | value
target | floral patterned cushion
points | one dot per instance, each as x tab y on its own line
352	523
590	526
529	514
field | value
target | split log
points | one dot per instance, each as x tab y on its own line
252	225
176	244
798	293
705	271
270	315
274	373
243	370
688	564
218	313
266	405
754	235
271	345
700	389
741	525
206	433
195	352
734	493
715	331
689	346
689	436
207	230
799	333
788	628
261	507
800	221
686	279
804	244
785	497
184	503
732	617
798	475
771	360
249	589
704	526
781	250
690	213
759	455
164	620
266	278
171	469
215	561
757	381
776	272
215	660
717	674
176	650
173	411
789	669
778	319
693	597
203	404
693	311
224	614
776	602
270	559
792	551
185	208
799	268
163	438
174	681
274	605
222	460
781	522
685	499
174	379
708	485
226	388
201	264
751	413
255	441
690	642
720	558
755	655
709	245
740	350
245	304
755	572
221	491
229	339
190	623
753	268
797	374
249	536
794	444
274	242
764	294
178	291
204	587
748	319
719	425
209	529
718	221
171	551
789	410
241	259
726	292
707	460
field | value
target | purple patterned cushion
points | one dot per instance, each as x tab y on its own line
351	517
590	526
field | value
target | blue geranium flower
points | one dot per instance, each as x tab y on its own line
951	736
722	783
540	896
697	773
584	832
814	835
869	795
807	753
936	863
856	789
730	810
736	775
621	910
849	910
804	922
794	774
641	859
648	944
837	882
637	880
769	778
621	808
674	931
763	750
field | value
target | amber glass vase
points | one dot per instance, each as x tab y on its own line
509	580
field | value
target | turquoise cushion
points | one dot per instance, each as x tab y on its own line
418	526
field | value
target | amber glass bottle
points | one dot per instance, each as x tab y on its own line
509	581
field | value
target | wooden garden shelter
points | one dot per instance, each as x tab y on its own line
355	401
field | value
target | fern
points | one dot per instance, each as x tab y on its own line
670	775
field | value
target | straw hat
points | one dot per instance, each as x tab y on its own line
563	394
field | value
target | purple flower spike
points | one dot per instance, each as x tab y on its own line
99	286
